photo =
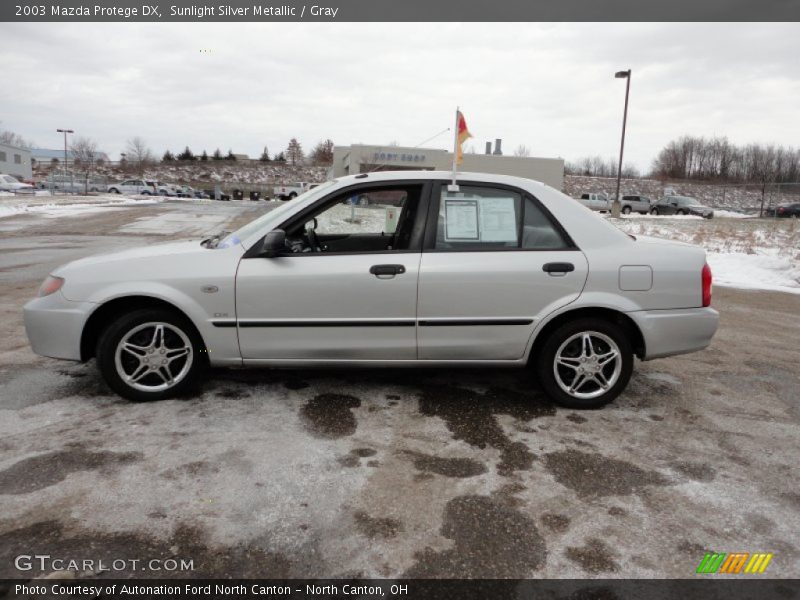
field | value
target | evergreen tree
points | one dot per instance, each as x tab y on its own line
294	152
280	157
168	157
186	154
264	155
204	156
217	154
230	155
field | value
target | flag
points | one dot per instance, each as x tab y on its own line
462	135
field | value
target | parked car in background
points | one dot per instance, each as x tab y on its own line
595	201
9	183
134	186
785	210
71	184
634	203
213	195
167	189
681	205
291	191
504	271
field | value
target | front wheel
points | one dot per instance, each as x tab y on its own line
679	212
585	364
654	212
150	354
626	210
113	191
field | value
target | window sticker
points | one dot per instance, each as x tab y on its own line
461	220
498	220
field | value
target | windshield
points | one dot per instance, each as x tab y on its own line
262	222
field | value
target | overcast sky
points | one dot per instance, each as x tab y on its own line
548	86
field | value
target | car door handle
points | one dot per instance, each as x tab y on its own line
558	268
387	270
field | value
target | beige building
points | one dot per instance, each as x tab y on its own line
358	158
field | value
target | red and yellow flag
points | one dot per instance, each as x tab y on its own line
462	135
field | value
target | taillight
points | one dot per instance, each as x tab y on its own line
706	285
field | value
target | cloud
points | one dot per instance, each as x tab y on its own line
548	86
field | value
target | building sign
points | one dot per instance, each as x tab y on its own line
405	157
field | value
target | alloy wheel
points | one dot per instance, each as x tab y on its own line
153	357
587	365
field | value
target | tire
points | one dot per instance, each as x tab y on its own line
143	358
626	210
679	212
567	342
292	196
145	193
113	191
654	212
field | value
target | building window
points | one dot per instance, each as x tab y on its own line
17	159
3	156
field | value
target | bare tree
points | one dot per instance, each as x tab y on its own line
322	154
84	153
294	152
13	139
139	154
522	150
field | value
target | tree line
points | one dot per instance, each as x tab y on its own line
717	159
321	154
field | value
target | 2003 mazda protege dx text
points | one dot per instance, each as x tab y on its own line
388	269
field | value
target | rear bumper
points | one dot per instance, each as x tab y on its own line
54	325
679	331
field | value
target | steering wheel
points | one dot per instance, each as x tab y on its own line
313	240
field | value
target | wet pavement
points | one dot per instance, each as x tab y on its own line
385	472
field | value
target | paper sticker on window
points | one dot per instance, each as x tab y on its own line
498	220
461	220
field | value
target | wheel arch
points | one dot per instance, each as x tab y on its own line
107	311
597	312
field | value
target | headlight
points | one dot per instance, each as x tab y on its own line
50	285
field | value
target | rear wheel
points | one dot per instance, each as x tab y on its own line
654	212
150	354
679	212
626	210
585	364
113	191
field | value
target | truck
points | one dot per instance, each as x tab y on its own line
595	200
292	190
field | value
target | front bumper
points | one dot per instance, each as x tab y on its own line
678	331
54	325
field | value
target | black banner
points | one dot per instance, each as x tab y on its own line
711	588
400	10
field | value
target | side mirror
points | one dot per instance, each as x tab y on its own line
274	243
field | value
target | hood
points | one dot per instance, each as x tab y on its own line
145	252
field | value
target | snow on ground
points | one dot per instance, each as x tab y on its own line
742	253
68	206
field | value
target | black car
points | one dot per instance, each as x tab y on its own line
681	205
789	209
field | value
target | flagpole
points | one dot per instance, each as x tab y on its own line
455	148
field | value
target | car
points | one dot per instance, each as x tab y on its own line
498	271
595	201
139	187
9	183
681	205
71	183
213	194
785	210
167	189
635	203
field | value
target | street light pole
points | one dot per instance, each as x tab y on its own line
615	209
65	132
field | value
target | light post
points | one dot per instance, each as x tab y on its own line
65	132
615	208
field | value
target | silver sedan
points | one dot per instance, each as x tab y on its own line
496	271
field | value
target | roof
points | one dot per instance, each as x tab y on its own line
48	154
423	174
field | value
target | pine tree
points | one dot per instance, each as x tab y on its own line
186	154
264	155
280	157
204	156
230	156
294	152
217	154
168	157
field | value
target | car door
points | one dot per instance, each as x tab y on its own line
346	289
494	263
